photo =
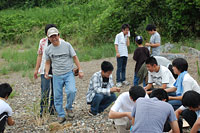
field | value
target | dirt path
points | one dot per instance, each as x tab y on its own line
25	102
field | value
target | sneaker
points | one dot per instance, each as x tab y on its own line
119	84
90	113
61	120
125	82
70	113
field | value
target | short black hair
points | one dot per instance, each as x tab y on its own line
161	94
48	26
136	92
106	66
124	26
151	27
151	60
5	90
191	99
171	70
181	64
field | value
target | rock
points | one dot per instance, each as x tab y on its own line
167	47
190	50
173	56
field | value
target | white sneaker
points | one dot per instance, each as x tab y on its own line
119	84
125	82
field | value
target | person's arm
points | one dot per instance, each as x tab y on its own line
154	45
178	112
196	126
10	121
128	42
115	115
164	86
76	60
174	127
133	120
172	89
37	66
148	86
47	68
116	49
175	98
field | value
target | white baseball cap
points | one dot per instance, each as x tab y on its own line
52	31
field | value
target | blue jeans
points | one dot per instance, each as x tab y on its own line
121	69
45	88
67	80
100	102
175	103
136	80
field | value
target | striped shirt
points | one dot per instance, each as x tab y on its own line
95	86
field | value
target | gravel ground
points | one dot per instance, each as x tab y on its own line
25	103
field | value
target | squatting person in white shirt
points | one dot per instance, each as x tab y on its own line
121	110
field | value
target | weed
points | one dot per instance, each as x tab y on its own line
13	94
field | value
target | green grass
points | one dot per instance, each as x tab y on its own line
18	60
198	69
24	60
13	94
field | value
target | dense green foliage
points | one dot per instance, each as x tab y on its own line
98	21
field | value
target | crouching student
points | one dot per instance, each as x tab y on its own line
101	89
158	75
121	110
190	110
5	109
150	115
183	83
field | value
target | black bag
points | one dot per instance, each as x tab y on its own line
3	120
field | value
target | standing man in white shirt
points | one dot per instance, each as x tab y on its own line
121	110
45	83
121	44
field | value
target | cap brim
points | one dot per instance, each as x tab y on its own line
52	34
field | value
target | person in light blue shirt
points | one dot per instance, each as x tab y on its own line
150	115
155	40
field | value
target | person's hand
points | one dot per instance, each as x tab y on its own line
117	55
145	88
80	74
75	71
47	76
147	44
114	89
148	92
35	74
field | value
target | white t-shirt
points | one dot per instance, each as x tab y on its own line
123	104
162	61
121	40
4	107
190	84
163	76
41	50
